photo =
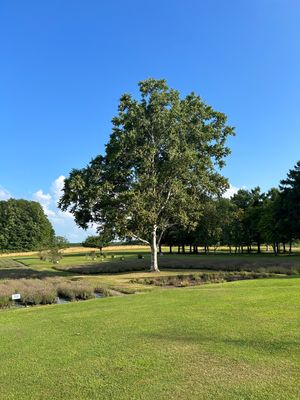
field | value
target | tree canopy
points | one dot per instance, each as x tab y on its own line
60	242
98	241
162	160
249	218
24	226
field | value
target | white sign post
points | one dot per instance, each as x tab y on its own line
16	296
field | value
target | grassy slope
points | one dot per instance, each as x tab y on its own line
229	341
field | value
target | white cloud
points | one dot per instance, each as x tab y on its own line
232	190
57	187
4	194
62	221
41	197
45	199
48	211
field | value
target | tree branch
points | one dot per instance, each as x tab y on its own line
160	236
139	238
165	203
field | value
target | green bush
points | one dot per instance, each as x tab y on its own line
75	291
92	255
55	255
43	255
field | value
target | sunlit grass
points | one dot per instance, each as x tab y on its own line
235	340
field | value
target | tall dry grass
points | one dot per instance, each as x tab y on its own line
79	249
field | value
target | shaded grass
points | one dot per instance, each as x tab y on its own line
9	263
236	340
263	263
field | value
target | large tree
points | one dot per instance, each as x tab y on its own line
271	220
99	241
24	226
163	157
290	192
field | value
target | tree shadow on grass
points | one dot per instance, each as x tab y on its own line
262	345
181	262
28	273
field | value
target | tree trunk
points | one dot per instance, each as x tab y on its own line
170	247
154	263
290	248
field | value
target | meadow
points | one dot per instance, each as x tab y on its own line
177	334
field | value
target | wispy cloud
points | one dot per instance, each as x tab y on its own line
57	187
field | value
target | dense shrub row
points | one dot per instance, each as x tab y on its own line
199	278
75	291
272	269
185	262
36	291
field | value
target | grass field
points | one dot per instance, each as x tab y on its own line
82	250
189	261
127	260
236	340
9	263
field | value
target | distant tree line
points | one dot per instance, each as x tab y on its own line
24	226
250	218
106	239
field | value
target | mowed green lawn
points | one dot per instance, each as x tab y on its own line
237	340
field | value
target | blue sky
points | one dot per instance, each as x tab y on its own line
64	65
